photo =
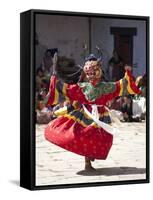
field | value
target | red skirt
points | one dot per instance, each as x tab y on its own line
91	141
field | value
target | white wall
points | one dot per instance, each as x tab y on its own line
101	36
69	34
66	33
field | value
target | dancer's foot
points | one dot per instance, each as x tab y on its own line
88	165
89	168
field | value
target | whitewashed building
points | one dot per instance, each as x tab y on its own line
70	34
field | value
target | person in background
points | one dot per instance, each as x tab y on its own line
45	70
126	109
139	101
115	106
43	114
116	67
39	79
47	61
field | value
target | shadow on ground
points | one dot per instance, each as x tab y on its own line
112	171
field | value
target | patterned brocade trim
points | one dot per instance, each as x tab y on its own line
58	92
121	88
127	85
131	87
61	111
81	117
65	92
82	122
104	114
56	97
94	92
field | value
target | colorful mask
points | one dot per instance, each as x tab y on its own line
93	71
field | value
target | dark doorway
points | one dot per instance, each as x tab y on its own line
123	43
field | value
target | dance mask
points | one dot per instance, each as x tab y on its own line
93	71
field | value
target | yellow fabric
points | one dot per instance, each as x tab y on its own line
64	91
105	114
56	97
79	121
61	111
128	86
121	88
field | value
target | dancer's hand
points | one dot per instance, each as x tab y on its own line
127	67
55	58
54	62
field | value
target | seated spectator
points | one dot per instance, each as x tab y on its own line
43	114
47	62
39	79
139	101
115	109
116	103
127	110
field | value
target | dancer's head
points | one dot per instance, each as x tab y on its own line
92	68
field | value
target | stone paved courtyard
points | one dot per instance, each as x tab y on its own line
126	160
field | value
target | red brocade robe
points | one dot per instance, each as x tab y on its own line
75	130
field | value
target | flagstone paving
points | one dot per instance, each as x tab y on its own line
126	160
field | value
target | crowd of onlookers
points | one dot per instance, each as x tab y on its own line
43	72
131	108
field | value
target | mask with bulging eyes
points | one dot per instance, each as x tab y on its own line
93	71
